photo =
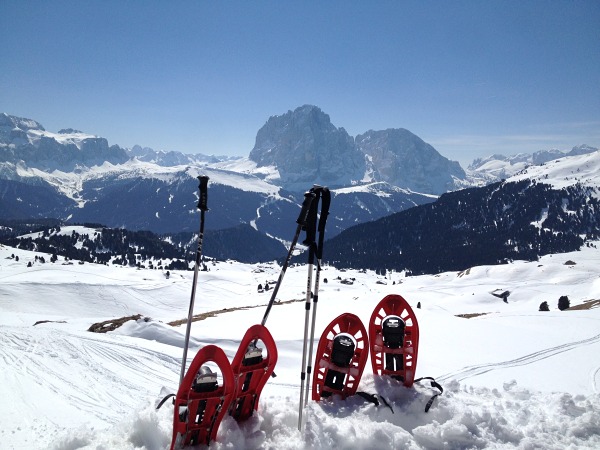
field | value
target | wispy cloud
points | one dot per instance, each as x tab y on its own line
563	136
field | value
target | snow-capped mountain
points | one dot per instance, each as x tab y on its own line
303	146
172	158
25	141
499	167
80	178
544	209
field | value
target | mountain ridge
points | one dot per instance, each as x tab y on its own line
545	209
157	191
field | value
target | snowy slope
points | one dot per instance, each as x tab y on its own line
584	169
497	167
514	377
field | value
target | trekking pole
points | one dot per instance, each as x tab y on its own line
311	230
203	186
301	221
325	202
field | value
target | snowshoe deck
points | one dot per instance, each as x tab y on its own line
341	357
200	403
252	370
394	339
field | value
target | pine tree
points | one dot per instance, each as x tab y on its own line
544	306
563	303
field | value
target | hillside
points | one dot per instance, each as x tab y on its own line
546	209
66	388
95	243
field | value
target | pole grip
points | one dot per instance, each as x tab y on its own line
203	186
308	198
325	202
311	221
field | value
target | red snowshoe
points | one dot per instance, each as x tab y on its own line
341	357
200	403
251	370
394	339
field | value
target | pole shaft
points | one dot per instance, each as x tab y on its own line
202	205
306	319
301	221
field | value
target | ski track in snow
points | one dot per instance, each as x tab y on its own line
43	356
596	380
479	369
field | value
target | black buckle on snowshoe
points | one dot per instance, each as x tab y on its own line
205	381
393	331
253	355
343	350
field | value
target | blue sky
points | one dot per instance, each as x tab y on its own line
472	78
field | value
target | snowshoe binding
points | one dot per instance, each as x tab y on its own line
252	370
341	357
200	403
394	339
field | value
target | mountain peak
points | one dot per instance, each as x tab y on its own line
6	121
69	131
404	159
306	148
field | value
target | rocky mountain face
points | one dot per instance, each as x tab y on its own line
26	141
304	146
145	189
401	158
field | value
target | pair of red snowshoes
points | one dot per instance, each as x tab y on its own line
201	402
393	340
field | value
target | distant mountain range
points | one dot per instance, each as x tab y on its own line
79	178
498	167
546	209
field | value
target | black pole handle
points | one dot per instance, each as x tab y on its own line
311	220
203	186
308	198
325	202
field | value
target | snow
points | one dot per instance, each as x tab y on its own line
564	172
76	137
379	187
70	183
513	377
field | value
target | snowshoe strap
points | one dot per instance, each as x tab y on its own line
386	403
164	400
434	384
373	399
368	397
